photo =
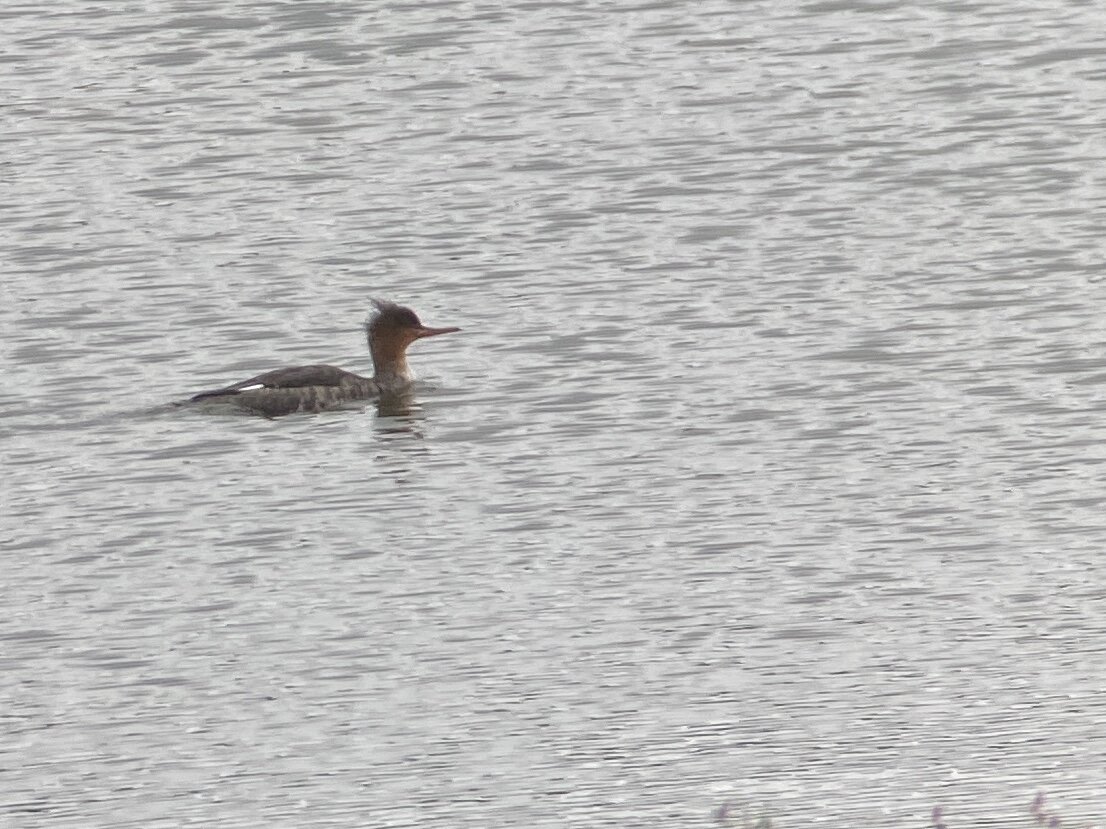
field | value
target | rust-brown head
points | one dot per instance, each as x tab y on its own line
391	329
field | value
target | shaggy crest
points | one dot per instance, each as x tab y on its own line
391	314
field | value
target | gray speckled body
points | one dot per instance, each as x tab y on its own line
289	390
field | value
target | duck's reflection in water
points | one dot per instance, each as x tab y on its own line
399	414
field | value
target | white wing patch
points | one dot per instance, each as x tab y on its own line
251	388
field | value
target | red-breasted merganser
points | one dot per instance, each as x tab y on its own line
315	388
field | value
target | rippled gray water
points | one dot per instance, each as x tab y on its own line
768	470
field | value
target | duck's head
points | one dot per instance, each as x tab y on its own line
391	329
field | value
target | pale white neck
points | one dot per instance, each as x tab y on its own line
394	377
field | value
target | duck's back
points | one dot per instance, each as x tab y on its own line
297	389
